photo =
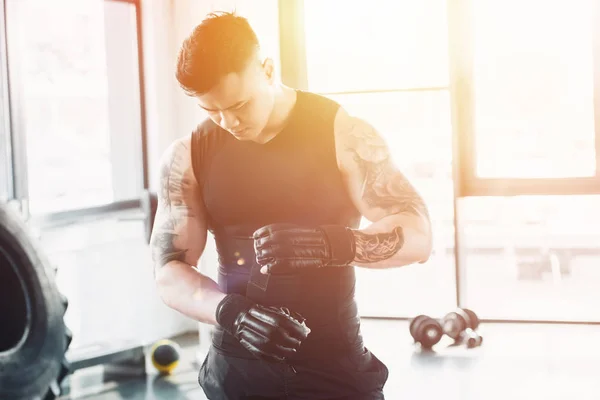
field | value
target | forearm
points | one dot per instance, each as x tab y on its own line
394	241
184	289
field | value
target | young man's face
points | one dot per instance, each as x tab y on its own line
241	103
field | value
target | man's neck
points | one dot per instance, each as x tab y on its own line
285	100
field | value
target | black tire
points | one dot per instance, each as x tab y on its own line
33	338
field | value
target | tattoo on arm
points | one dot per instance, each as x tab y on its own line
173	182
383	185
163	247
379	246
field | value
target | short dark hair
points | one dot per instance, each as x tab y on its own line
223	43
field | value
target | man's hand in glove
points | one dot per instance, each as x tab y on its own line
269	333
282	248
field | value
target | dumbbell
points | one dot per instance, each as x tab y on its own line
461	325
426	331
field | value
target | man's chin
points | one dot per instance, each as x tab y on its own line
246	134
239	134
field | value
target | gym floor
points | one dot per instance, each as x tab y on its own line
516	361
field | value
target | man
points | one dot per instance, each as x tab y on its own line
281	178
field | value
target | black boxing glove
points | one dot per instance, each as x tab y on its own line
269	333
284	247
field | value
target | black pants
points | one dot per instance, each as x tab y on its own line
350	377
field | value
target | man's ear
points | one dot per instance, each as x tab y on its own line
269	69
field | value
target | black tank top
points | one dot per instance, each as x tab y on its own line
293	178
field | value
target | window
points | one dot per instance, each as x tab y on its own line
531	257
526	100
379	45
534	89
527	105
76	102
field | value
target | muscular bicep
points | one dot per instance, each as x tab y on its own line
179	232
377	187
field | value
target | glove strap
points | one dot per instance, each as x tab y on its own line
342	245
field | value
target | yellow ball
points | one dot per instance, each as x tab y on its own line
165	355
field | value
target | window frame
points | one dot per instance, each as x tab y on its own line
18	193
466	183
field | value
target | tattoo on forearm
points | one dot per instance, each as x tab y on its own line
383	185
379	246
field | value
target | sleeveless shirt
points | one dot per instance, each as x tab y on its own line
294	178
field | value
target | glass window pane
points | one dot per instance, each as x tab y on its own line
416	126
532	257
534	115
77	95
381	44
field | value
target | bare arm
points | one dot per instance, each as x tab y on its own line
400	232
179	237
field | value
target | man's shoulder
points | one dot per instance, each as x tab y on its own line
206	128
207	139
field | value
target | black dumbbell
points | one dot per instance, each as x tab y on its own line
426	331
461	325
